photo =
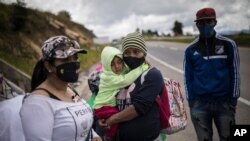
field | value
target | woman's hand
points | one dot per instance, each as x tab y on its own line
103	125
109	121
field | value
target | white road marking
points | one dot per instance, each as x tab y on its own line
181	72
165	64
173	48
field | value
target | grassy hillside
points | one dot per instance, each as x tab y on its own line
22	32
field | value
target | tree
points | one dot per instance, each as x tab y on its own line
19	17
21	3
64	15
177	29
137	29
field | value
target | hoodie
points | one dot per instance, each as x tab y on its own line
111	83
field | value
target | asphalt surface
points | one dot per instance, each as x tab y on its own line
168	57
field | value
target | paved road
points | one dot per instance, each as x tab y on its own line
169	58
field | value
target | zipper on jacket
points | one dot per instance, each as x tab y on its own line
207	50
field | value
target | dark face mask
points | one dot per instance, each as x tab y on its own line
68	72
206	31
133	62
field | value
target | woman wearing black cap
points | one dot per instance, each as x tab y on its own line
53	111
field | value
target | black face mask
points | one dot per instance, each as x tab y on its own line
133	62
68	72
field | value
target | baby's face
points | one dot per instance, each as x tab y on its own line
117	65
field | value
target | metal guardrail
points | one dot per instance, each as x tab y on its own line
15	75
10	90
14	87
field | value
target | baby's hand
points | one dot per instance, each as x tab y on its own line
146	62
145	66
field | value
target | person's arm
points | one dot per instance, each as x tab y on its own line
37	121
234	73
123	80
143	100
188	77
152	87
125	115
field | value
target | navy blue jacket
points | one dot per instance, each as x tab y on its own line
212	68
145	127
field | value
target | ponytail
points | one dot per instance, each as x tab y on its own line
39	74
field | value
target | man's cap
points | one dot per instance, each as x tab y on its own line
205	13
60	47
134	40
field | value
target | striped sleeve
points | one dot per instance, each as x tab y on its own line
234	67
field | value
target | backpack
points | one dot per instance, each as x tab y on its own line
173	115
178	118
94	79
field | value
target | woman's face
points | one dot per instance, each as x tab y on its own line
117	65
133	52
67	69
133	57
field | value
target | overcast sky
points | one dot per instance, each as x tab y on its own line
116	18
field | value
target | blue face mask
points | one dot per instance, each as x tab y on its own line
206	31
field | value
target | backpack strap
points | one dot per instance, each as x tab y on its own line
90	135
50	94
144	74
55	97
25	96
74	90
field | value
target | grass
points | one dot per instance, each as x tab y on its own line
27	65
89	59
32	25
179	40
24	64
241	39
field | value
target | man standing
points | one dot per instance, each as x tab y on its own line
212	78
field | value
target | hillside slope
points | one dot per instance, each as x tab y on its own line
23	30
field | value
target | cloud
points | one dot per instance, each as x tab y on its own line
116	18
